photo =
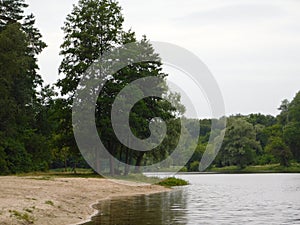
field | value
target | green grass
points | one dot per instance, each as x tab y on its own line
60	173
28	210
271	168
172	182
33	199
168	182
70	170
137	177
22	216
84	173
49	203
42	178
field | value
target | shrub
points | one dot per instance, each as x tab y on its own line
172	182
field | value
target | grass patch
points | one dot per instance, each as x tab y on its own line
137	177
271	168
22	216
42	178
226	169
49	203
28	210
70	170
168	182
172	182
33	199
59	173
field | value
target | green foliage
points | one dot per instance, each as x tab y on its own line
60	173
3	164
172	182
18	159
239	144
292	138
183	169
11	11
20	42
291	130
280	150
268	168
91	29
265	120
265	159
194	166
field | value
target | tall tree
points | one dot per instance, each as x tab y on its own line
239	144
92	28
20	43
291	130
283	117
11	11
280	150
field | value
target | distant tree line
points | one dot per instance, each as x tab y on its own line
36	120
256	139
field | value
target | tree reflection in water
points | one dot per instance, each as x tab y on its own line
157	209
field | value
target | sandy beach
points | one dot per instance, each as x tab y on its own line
59	201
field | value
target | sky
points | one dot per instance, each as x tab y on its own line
252	47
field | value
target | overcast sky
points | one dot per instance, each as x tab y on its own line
252	47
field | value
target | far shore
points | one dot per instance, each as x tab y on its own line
63	201
269	168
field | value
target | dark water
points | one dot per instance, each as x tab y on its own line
212	199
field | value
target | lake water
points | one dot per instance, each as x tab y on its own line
211	199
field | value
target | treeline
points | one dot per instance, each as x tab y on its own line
36	132
256	139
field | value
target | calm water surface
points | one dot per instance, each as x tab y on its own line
212	199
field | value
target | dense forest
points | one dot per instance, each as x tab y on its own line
36	132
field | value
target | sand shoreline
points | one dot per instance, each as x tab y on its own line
63	201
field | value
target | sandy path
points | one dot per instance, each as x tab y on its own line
59	201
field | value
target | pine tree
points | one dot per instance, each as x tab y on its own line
93	27
11	11
20	43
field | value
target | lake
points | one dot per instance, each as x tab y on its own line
211	199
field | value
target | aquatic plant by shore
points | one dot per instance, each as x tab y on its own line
172	182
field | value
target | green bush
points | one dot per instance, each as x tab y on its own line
18	160
183	169
172	182
194	166
3	165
